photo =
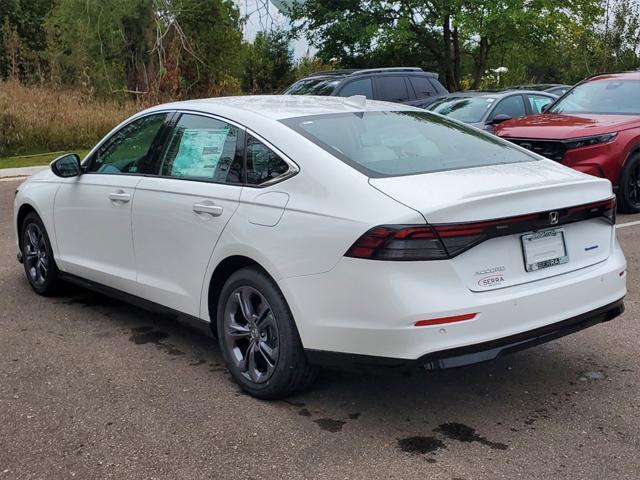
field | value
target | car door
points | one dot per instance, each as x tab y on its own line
92	212
180	212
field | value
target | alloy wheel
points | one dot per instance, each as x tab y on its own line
634	186
36	254
251	334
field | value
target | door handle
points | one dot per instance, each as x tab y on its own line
208	207
120	196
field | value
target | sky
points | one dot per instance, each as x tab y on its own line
262	15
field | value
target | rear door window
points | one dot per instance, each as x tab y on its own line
512	106
392	89
203	148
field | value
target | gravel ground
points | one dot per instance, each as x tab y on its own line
94	388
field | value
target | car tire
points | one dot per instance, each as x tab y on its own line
258	337
37	256
629	185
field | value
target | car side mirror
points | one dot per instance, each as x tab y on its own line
545	107
502	117
66	166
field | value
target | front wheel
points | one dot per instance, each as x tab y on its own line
629	186
37	256
258	337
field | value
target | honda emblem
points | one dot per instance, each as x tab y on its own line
554	217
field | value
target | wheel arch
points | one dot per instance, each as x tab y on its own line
634	149
221	273
24	210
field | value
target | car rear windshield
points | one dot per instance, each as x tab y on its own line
313	86
394	143
467	109
613	96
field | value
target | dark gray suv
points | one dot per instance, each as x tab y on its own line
408	85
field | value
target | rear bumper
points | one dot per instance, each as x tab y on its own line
468	355
370	308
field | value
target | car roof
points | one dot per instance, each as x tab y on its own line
495	93
612	76
369	71
278	107
538	86
355	72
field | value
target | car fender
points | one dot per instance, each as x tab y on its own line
40	196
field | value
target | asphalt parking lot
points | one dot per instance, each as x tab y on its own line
94	388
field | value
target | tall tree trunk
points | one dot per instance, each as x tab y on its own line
446	48
480	62
457	71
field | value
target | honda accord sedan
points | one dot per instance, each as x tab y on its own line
312	231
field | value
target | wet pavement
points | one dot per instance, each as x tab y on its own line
92	388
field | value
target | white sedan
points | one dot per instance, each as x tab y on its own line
318	230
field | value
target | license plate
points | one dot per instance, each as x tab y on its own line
544	249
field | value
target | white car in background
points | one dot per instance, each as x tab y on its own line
320	230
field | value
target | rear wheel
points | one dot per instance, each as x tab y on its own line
37	256
258	338
629	186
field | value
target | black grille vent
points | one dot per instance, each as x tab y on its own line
547	148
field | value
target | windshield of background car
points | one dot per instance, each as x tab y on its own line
313	86
602	97
466	109
388	144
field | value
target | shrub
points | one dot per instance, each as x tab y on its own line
39	119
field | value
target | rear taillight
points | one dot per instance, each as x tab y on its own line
399	242
439	242
606	209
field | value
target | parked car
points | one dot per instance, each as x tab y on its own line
558	89
406	85
313	231
487	109
594	128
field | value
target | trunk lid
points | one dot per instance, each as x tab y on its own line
502	191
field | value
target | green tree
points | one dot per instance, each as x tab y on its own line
146	47
268	63
23	40
458	37
209	40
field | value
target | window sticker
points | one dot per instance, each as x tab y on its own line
199	152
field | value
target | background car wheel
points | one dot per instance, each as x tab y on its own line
258	337
37	256
629	186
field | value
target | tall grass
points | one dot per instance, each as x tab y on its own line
38	119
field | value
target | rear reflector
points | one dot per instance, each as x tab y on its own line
443	241
440	321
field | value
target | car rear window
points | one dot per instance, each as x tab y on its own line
395	143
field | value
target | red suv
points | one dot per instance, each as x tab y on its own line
594	128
